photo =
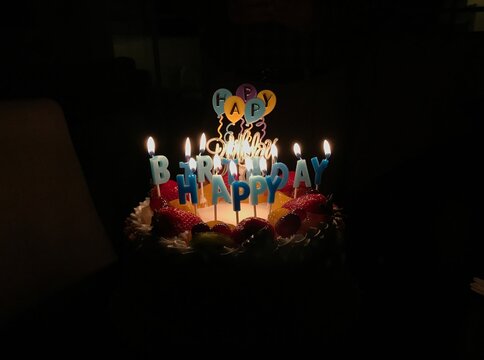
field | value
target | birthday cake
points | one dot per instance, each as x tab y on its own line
230	253
226	202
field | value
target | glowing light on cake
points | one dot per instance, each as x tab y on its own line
274	153
249	168
203	144
297	150
188	149
150	144
319	167
230	149
326	149
263	166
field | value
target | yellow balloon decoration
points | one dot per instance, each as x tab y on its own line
269	99
234	108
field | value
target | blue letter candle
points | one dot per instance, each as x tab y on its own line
159	169
186	169
278	166
318	169
219	190
254	191
273	183
184	188
237	197
204	168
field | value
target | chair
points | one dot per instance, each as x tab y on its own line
50	234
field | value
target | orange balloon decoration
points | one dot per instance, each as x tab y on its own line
234	108
269	99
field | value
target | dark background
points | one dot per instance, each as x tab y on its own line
396	87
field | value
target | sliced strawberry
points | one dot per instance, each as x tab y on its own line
311	203
250	226
168	191
170	221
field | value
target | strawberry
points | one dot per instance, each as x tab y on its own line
170	221
168	191
288	224
157	203
250	226
311	203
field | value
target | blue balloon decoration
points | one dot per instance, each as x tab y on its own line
254	110
218	100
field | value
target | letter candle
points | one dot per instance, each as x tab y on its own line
218	186
159	166
320	167
278	166
184	165
189	186
204	167
302	173
237	197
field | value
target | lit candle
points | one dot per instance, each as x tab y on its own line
184	165
237	197
274	153
248	168
159	166
190	186
204	167
302	173
278	167
218	186
257	185
320	167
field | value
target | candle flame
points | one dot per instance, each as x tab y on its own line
217	164
326	148
233	169
230	148
263	165
248	164
192	164
247	149
274	152
188	148
150	144
203	143
297	150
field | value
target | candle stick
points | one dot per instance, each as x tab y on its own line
302	173
320	167
159	166
218	186
237	197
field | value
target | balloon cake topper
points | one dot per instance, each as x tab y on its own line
248	107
